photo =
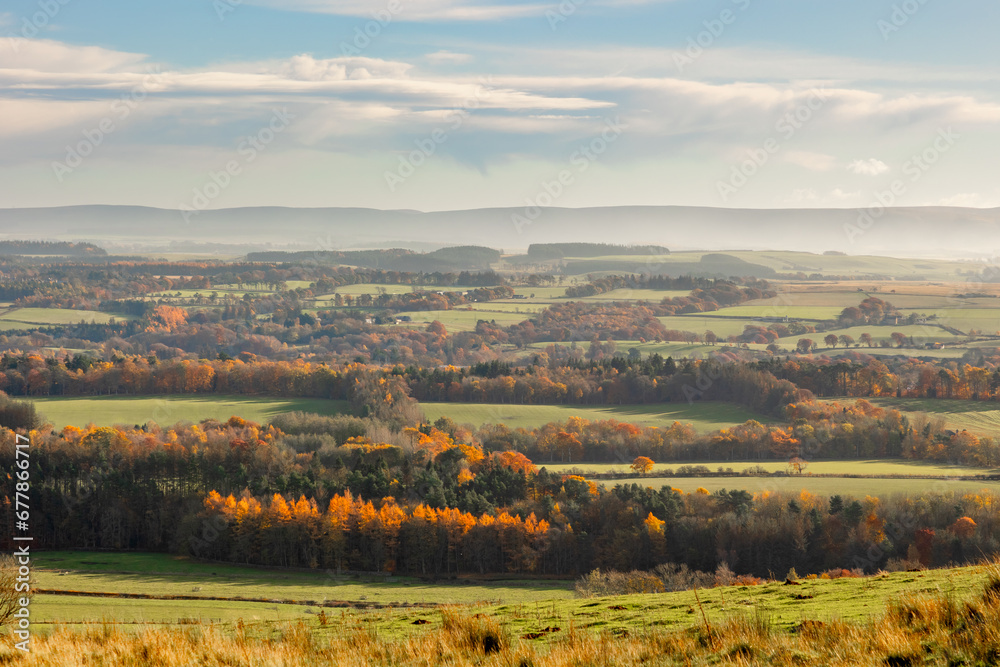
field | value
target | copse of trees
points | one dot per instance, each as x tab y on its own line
17	415
338	504
48	248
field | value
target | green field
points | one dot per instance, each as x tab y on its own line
984	320
166	410
463	320
55	316
723	327
163	575
810	312
886	467
527	308
521	606
374	289
921	333
625	294
704	416
979	417
822	486
791	261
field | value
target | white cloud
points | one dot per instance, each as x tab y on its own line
307	68
46	55
967	199
800	196
838	194
813	161
448	58
869	167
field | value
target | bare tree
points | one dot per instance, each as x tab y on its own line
9	595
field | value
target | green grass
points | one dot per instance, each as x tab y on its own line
841	467
166	410
463	320
844	599
373	289
805	312
58	609
789	261
636	295
822	486
979	417
526	308
166	575
704	416
950	352
921	333
675	350
54	316
521	606
699	324
985	320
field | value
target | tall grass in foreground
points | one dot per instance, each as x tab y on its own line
910	631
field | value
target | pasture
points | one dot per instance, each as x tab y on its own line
703	416
723	327
520	605
164	576
168	410
921	333
636	295
874	467
462	320
804	312
820	486
979	417
56	316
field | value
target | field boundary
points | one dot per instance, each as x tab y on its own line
239	598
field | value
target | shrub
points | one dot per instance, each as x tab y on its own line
18	415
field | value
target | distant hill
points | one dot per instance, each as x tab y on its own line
896	232
544	251
712	265
51	248
461	258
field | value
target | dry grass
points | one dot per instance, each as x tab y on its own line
911	631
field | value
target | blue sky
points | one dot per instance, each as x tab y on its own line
450	104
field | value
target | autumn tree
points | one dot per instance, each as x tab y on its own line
642	464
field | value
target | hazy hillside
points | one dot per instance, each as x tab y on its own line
899	232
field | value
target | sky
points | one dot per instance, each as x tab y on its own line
456	104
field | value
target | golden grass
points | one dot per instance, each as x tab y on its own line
911	631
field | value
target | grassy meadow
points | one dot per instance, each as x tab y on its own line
947	616
162	577
166	410
978	417
463	319
517	601
820	486
875	467
703	416
55	316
